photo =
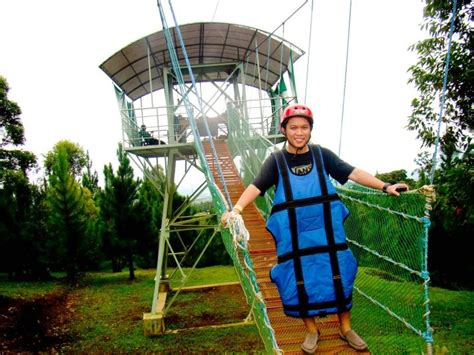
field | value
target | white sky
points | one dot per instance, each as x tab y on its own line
51	51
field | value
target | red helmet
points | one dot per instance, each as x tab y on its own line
297	110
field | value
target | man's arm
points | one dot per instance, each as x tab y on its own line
364	178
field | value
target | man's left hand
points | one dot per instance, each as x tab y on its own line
395	189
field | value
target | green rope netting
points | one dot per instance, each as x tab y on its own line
388	236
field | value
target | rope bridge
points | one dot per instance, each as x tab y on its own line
388	236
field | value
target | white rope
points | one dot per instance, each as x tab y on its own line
240	234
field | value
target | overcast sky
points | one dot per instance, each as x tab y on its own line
51	51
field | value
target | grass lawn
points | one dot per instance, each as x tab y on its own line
104	314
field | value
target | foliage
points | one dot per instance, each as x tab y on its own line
453	220
77	159
428	74
150	205
452	212
21	235
396	176
67	221
11	127
12	161
12	134
22	229
90	178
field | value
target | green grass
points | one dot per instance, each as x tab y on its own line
452	314
28	290
111	310
108	310
206	276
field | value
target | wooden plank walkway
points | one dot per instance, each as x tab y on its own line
290	332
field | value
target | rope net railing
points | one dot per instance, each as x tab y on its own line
388	236
235	240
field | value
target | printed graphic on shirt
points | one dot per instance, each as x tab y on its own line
302	169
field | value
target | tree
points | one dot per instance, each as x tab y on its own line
396	176
11	127
77	159
119	212
452	216
71	213
150	205
22	231
12	135
20	247
428	74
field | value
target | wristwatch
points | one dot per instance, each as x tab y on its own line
385	186
238	208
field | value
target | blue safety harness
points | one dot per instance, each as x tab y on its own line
316	269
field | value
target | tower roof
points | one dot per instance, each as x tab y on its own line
207	43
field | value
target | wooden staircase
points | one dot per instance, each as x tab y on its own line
289	332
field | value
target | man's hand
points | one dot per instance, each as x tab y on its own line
395	189
225	217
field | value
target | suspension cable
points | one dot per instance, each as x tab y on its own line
199	98
309	52
345	77
194	89
443	91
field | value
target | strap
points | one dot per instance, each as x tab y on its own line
312	250
304	202
336	273
301	290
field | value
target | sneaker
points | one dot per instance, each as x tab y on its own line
354	340
310	343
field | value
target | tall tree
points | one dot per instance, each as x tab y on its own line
71	212
18	246
396	176
452	214
119	211
428	73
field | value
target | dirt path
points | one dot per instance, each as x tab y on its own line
39	325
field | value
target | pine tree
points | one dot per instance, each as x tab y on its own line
71	215
119	213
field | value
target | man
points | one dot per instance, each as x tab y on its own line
316	269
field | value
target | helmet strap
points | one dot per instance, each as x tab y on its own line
297	149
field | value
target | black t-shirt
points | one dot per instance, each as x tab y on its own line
301	164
